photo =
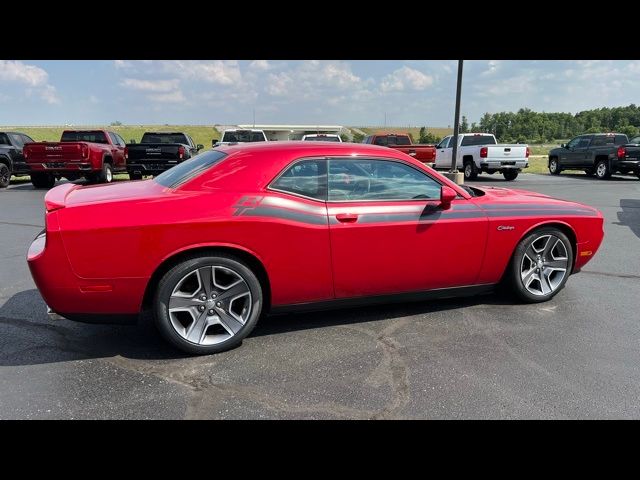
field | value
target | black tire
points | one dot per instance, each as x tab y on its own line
602	170
510	174
589	172
470	170
104	176
554	166
175	275
514	277
135	176
5	176
43	180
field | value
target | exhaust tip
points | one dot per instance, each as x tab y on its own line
53	315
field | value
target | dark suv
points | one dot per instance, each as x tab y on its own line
597	154
11	157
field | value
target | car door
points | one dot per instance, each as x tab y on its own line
390	235
443	153
17	156
117	150
576	149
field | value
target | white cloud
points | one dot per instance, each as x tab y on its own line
121	63
260	65
32	76
405	78
279	84
23	73
151	85
171	97
216	71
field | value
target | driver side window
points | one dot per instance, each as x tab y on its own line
574	142
444	143
368	179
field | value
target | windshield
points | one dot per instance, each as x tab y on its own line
189	169
85	136
164	138
243	136
320	138
478	140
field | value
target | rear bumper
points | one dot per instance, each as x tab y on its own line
53	167
504	164
626	165
76	298
20	168
150	168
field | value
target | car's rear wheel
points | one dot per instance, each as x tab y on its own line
5	175
554	166
43	180
510	174
541	265
602	169
208	304
470	170
105	175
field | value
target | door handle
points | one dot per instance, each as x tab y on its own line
347	217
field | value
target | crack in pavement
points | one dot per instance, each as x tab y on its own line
607	274
22	224
207	393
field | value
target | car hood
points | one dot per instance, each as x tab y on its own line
70	194
516	198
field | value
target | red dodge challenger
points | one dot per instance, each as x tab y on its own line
212	243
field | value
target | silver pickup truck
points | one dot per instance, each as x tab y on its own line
481	153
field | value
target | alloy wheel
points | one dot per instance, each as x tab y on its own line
210	305
544	265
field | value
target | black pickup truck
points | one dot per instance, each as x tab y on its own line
11	158
157	152
599	154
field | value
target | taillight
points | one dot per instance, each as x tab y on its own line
483	152
622	152
528	152
85	150
25	152
181	152
126	153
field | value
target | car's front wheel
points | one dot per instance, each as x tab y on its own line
208	304
470	170
541	265
602	170
5	175
554	166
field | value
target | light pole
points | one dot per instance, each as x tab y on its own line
454	153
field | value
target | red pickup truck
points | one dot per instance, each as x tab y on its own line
93	154
402	142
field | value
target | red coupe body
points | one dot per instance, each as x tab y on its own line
105	246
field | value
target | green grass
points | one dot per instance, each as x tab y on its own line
200	133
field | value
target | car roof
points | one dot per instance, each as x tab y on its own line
311	149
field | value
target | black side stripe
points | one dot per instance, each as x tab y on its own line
276	212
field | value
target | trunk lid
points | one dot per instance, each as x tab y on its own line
56	151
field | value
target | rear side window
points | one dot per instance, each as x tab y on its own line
17	139
4	140
477	140
382	141
621	139
189	169
89	136
307	178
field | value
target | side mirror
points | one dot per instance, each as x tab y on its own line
447	195
199	146
133	140
563	145
214	142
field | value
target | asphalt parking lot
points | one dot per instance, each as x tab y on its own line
576	356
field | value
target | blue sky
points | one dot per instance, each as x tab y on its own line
314	92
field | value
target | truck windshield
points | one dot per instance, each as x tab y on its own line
392	140
164	138
478	140
84	136
187	170
243	136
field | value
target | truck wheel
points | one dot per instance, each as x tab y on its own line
5	176
602	170
42	180
470	170
105	175
510	174
554	166
207	303
135	176
540	265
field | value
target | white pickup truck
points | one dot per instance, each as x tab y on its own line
240	136
480	152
